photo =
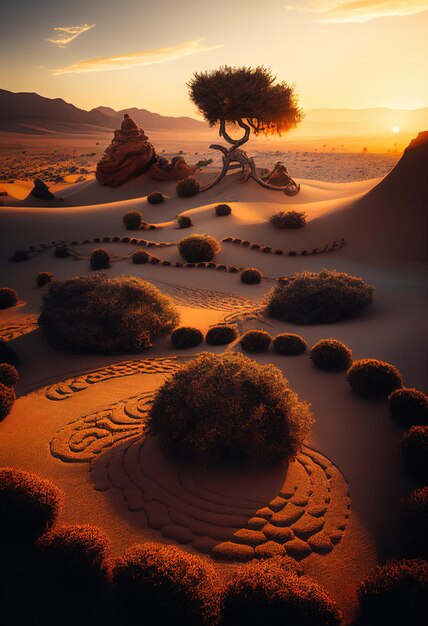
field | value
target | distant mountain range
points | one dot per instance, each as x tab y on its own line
31	113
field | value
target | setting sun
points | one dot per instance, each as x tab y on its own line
395	129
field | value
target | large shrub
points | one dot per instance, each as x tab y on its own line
373	379
8	375
255	341
319	297
186	337
251	276
414	452
73	555
412	517
266	593
409	407
100	259
198	248
43	278
28	505
8	297
331	355
225	408
289	344
288	219
132	220
164	581
187	187
221	334
102	315
395	594
7	400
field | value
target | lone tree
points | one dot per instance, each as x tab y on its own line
249	98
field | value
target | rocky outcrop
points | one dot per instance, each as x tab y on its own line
129	154
41	190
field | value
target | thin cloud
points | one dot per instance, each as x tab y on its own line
68	33
136	59
341	11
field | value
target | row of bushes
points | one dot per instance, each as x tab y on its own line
133	220
74	562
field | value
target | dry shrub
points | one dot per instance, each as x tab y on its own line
322	297
8	375
8	354
186	337
412	518
414	452
226	408
222	210
8	297
255	341
132	220
187	187
61	252
100	259
140	256
288	219
183	221
409	407
221	334
43	278
251	276
7	400
331	355
101	315
373	379
198	248
156	197
289	344
19	256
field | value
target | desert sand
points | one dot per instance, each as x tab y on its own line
78	419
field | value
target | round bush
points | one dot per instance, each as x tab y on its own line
139	257
7	400
163	580
331	355
251	276
73	555
101	315
265	593
409	407
289	344
198	248
222	210
414	452
61	252
29	505
373	379
156	197
8	354
255	341
322	297
132	220
43	278
100	259
226	408
8	375
412	518
183	221
186	337
288	219
221	334
8	297
187	187
395	594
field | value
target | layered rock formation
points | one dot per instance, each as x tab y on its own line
129	154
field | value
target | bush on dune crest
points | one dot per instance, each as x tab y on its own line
288	219
100	315
322	297
226	408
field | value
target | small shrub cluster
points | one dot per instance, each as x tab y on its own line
187	187
61	252
395	594
100	259
412	518
264	592
288	219
183	221
8	297
43	278
198	248
221	334
29	505
331	355
289	344
322	297
414	452
8	354
222	210
409	407
140	256
163	580
237	412
101	315
19	256
373	379
8	375
156	197
251	276
255	341
7	400
132	220
186	337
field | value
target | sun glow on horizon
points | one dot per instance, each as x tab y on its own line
395	130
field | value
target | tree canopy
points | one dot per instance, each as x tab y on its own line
245	96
